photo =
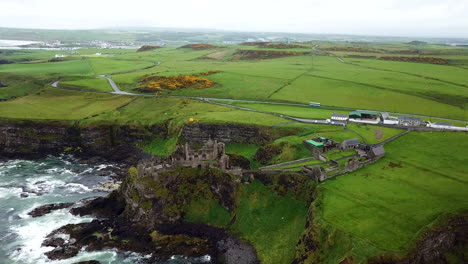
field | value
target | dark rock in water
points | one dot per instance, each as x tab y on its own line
45	209
62	252
24	195
122	235
105	207
39	182
53	242
226	248
88	262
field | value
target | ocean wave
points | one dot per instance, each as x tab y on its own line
32	232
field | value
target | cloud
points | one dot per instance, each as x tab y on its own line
383	17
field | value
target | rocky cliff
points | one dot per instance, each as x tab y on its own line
228	133
28	139
36	139
160	198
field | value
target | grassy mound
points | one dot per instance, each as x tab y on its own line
147	48
264	54
431	60
272	45
199	46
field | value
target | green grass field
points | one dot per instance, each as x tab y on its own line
437	90
385	205
87	82
59	105
272	224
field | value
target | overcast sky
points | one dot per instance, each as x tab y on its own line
442	18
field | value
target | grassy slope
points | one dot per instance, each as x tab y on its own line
383	207
156	110
88	82
273	224
71	67
57	104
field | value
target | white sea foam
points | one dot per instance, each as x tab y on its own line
33	232
77	188
9	192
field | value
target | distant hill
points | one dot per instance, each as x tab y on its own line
417	43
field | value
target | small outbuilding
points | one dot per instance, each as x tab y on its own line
376	152
350	144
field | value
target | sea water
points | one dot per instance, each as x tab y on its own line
25	185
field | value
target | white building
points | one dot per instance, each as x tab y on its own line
60	56
339	117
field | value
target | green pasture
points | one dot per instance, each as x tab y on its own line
87	82
273	224
385	205
58	104
61	68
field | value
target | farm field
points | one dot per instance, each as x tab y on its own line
88	83
383	207
61	105
419	88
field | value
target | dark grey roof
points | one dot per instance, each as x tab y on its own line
442	124
350	142
339	115
378	151
408	118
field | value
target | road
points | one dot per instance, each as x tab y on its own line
214	101
114	86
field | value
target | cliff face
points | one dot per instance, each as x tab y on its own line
39	139
30	139
227	133
160	199
449	236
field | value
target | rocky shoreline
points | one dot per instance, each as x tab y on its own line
112	230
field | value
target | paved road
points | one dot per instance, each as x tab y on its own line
114	86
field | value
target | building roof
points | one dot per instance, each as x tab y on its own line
368	112
378	151
355	114
442	124
350	142
339	115
408	118
315	143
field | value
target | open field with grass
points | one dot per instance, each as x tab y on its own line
438	90
87	82
383	207
61	68
59	105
